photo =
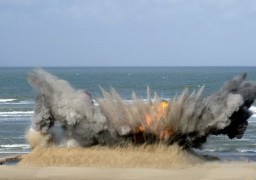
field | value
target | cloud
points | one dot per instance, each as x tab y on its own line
127	29
116	11
17	2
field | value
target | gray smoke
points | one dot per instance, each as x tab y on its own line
186	120
81	121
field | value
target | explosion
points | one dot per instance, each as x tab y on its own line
186	120
152	120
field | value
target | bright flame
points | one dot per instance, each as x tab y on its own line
148	119
161	109
152	118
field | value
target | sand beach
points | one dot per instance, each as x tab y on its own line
226	170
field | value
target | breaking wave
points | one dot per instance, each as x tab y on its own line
15	102
253	109
16	113
7	100
5	148
25	146
254	115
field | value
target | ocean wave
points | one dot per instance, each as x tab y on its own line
254	115
253	109
7	100
208	150
228	150
246	150
14	152
23	146
23	102
16	113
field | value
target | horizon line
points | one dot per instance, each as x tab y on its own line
138	66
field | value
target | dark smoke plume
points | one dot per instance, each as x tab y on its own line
186	120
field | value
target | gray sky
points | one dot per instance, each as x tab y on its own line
127	32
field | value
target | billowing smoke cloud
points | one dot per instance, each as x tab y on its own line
82	122
186	120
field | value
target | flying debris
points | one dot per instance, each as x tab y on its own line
186	120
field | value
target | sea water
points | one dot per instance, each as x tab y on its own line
17	97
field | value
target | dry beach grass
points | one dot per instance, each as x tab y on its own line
132	162
147	156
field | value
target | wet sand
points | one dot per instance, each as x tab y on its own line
4	155
10	158
213	170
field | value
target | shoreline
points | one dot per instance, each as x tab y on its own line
10	159
4	154
230	156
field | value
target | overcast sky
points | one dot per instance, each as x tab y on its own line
127	32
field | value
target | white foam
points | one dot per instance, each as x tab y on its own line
246	150
13	152
7	100
209	150
24	146
253	109
21	102
95	102
16	113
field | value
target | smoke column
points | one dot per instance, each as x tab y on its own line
81	121
186	120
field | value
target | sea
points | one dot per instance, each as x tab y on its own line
17	98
